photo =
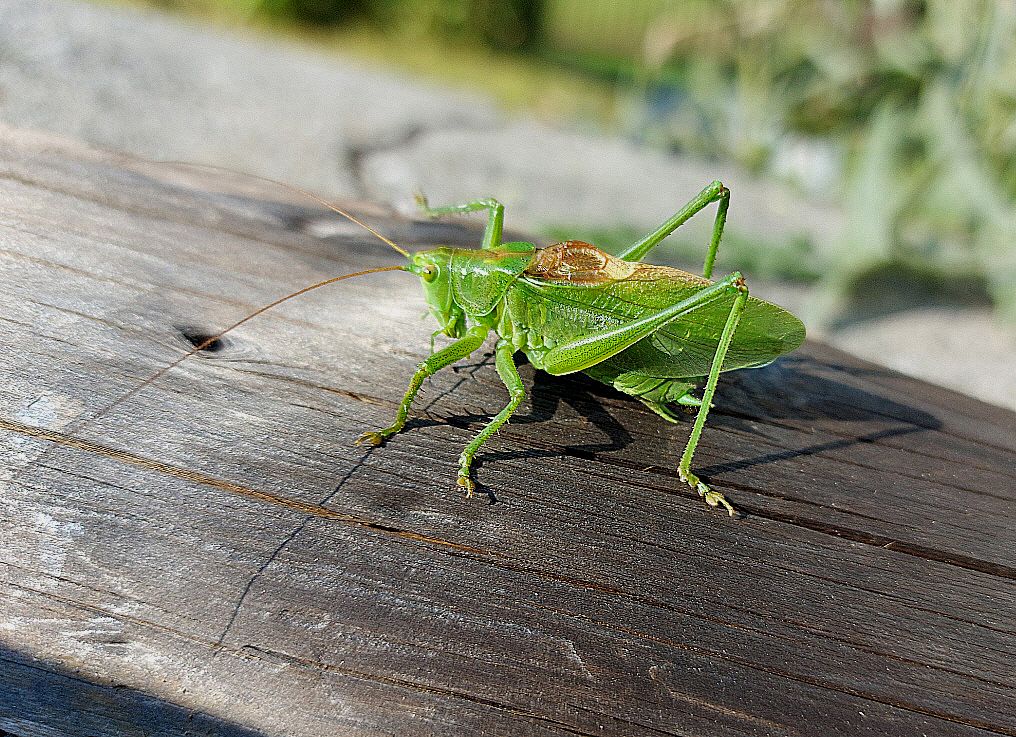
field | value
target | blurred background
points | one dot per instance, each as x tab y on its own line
870	145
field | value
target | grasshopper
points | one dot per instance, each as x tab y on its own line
653	332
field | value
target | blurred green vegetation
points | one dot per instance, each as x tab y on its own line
904	111
486	45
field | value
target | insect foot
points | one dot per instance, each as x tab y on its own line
713	498
467	483
373	438
464	480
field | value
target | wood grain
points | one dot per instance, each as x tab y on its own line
214	556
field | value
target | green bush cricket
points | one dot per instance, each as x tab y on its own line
653	332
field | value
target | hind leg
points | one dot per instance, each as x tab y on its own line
715	192
713	498
505	363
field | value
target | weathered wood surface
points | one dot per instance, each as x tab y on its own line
214	557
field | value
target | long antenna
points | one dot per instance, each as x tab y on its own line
292	188
208	341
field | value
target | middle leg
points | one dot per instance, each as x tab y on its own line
505	364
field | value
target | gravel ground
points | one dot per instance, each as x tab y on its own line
157	87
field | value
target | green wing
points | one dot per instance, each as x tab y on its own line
562	311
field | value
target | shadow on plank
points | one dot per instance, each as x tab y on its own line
39	697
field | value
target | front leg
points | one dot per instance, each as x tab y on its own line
509	374
458	350
495	222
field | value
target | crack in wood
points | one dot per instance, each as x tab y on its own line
884	541
872	439
992	727
257	574
261	653
432	689
875	592
315	510
257	652
289	538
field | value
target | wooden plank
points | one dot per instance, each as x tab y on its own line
215	555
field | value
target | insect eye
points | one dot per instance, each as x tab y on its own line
428	272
